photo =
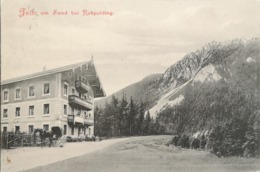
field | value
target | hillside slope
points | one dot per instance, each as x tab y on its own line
209	99
145	90
212	63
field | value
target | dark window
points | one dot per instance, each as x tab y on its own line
31	91
18	93
4	129
79	112
46	88
30	129
65	109
65	89
17	129
5	95
65	129
17	111
31	110
46	109
5	113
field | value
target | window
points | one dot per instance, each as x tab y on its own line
46	109
6	96
17	129
65	89
46	88
31	91
31	110
46	127
65	109
65	129
17	111
79	112
18	93
5	113
73	91
5	129
30	128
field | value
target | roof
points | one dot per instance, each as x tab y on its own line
96	86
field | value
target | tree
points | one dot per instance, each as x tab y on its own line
123	112
147	124
131	116
140	119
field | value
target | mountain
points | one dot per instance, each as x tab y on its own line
144	90
215	62
210	98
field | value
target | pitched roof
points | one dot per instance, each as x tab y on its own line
43	73
93	80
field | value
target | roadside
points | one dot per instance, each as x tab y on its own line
25	158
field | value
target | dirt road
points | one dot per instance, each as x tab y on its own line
150	154
21	159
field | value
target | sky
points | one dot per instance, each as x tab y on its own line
139	39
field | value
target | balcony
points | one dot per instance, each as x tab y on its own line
88	121
82	87
78	119
72	119
79	103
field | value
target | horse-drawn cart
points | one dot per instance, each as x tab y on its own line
49	138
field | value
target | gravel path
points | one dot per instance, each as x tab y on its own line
21	159
150	154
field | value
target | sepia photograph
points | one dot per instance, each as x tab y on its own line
130	86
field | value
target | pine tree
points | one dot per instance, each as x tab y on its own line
115	118
131	116
140	120
147	124
123	112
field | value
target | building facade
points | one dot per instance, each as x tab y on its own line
62	97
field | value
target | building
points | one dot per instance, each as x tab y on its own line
58	97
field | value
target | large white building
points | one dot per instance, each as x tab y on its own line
62	97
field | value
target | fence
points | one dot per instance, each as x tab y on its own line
10	140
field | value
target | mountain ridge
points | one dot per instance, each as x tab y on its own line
213	62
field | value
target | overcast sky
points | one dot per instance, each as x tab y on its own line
140	38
